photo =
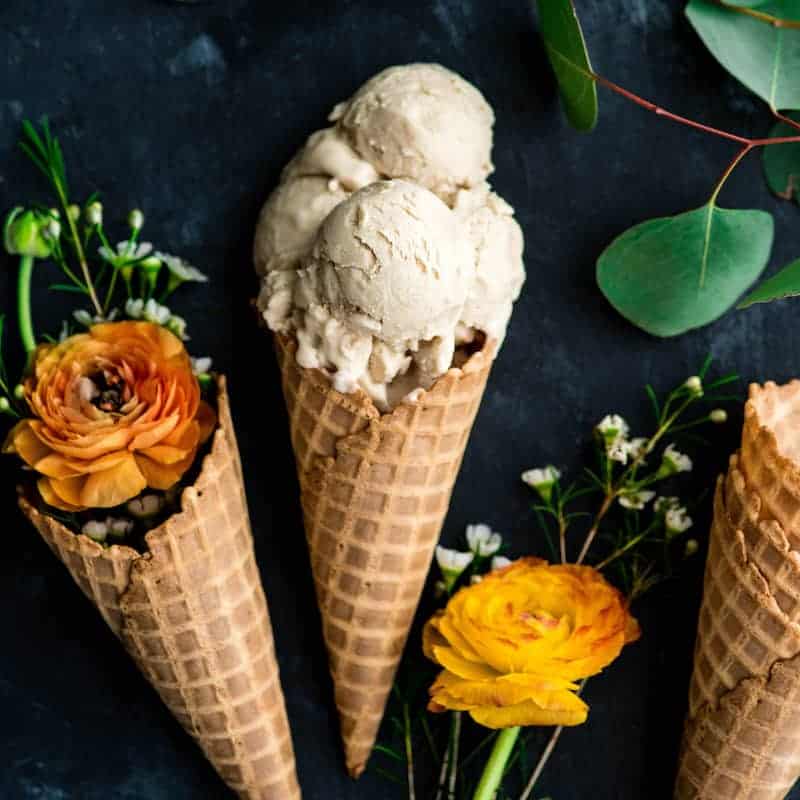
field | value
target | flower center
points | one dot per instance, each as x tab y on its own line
109	391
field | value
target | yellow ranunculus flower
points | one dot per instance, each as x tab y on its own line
514	645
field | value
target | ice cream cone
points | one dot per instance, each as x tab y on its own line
742	734
770	457
192	614
375	489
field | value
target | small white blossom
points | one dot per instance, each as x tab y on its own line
617	451
482	541
637	447
614	430
452	563
94	213
718	416
613	427
125	252
119	526
636	501
676	521
673	461
177	325
694	384
148	505
87	319
95	529
155	312
180	270
500	562
691	547
475	579
542	480
664	504
201	366
134	308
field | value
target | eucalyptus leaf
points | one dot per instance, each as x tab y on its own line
782	163
566	50
765	58
785	283
672	274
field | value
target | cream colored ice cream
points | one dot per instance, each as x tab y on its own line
379	280
497	242
382	290
421	122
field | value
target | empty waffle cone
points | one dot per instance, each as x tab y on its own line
770	457
375	489
192	614
742	733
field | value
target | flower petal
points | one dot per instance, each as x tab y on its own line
113	486
571	712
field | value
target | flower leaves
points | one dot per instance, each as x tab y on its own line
765	57
782	163
566	50
785	283
672	274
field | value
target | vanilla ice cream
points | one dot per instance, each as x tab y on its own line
421	122
384	248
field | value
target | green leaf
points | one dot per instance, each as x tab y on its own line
672	274
566	49
785	283
782	163
765	58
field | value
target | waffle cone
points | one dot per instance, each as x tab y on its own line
770	458
192	614
375	489
742	734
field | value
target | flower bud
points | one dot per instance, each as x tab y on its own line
53	229
136	219
718	416
5	406
151	266
74	212
177	325
94	213
19	391
452	563
25	234
691	548
694	384
54	213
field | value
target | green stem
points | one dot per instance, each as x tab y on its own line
25	319
409	752
495	766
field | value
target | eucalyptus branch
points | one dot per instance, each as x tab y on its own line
761	16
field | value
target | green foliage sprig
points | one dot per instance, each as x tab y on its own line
629	532
130	279
672	274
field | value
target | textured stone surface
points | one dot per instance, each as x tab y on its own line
189	111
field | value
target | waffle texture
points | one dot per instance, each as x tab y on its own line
742	734
192	613
375	489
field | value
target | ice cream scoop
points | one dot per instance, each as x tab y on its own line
291	218
497	241
392	259
421	122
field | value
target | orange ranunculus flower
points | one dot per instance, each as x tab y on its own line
514	645
115	410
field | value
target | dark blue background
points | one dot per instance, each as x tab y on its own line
190	112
